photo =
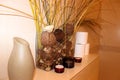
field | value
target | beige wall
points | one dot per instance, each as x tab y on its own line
110	42
13	26
111	25
93	38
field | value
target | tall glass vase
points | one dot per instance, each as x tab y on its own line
47	49
51	46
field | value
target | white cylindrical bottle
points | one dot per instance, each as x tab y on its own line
81	37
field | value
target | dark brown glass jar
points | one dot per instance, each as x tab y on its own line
68	62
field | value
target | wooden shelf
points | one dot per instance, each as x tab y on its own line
87	70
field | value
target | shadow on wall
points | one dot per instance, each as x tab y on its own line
110	43
93	39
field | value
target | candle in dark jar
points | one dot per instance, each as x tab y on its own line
68	62
78	59
59	68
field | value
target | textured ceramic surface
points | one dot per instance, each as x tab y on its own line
21	63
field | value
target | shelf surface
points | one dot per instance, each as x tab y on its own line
68	73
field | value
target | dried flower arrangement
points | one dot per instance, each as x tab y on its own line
56	22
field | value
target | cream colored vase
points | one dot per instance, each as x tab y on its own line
21	63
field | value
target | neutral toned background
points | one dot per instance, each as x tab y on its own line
21	27
13	26
110	53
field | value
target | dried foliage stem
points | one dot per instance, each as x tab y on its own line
7	14
82	16
56	12
24	14
37	19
